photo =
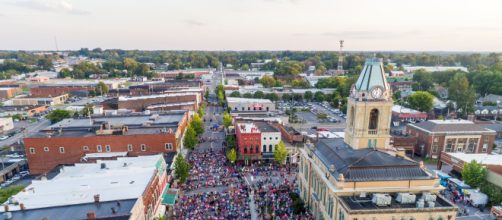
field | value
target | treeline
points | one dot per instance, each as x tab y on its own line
125	67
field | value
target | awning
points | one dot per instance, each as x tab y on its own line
169	196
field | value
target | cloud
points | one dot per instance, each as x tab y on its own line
194	23
60	6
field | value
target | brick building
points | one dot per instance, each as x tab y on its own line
169	101
169	86
8	92
53	91
23	110
248	141
66	142
436	136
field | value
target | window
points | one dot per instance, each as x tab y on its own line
485	148
373	119
108	148
257	149
46	149
242	108
264	138
435	139
86	148
434	148
277	138
341	216
99	148
245	150
129	147
169	146
250	149
270	138
32	150
264	148
270	148
450	145
472	145
61	150
461	144
143	147
352	116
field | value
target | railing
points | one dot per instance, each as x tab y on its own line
372	131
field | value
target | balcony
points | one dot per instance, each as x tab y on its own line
372	131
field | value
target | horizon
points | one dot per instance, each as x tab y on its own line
252	25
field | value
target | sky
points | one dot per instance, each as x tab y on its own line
364	25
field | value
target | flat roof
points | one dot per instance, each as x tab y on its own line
449	126
357	203
486	159
78	184
265	127
105	155
129	98
137	123
402	109
234	99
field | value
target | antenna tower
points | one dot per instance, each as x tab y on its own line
339	69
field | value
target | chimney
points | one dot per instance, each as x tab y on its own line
21	206
91	215
96	199
6	208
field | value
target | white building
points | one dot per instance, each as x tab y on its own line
96	190
6	124
245	104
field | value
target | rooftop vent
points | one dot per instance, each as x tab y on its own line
91	215
406	198
380	199
103	165
96	199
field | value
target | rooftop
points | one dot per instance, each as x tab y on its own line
123	98
366	164
449	126
78	184
136	124
372	75
357	203
265	127
486	159
233	99
402	109
248	127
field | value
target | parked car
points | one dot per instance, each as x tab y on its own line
2	138
24	173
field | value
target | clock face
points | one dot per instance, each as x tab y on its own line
376	92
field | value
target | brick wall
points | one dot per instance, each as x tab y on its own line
56	91
245	140
141	104
42	161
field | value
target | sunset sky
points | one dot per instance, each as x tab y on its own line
410	25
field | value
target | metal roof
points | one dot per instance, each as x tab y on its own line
366	164
371	75
448	126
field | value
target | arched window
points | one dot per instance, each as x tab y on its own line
250	149
270	148
352	116
245	150
373	119
257	149
264	148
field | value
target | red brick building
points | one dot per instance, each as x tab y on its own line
170	86
248	141
68	141
436	136
53	91
170	101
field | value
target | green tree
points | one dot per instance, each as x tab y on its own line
423	80
227	120
87	110
230	139
206	94
232	155
6	193
280	153
473	173
319	96
245	67
190	138
272	97
58	115
235	94
258	95
181	168
247	95
462	93
308	96
101	88
267	81
286	97
421	101
197	125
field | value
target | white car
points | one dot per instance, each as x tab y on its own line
2	138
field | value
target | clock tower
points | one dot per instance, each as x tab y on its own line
369	109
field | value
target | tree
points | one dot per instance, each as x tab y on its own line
267	81
421	101
235	94
181	168
206	94
190	138
462	93
197	125
308	95
101	88
258	95
232	155
87	110
319	96
473	173
247	95
280	153
245	67
58	115
286	97
272	97
423	80
227	120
